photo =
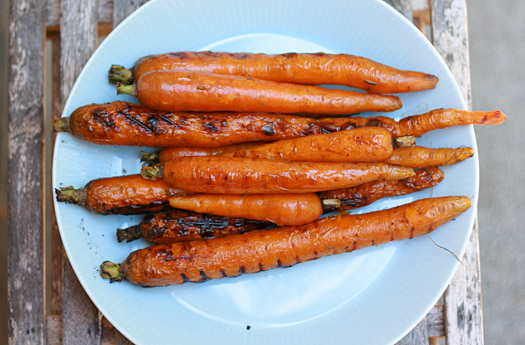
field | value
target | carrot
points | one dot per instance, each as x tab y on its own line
355	145
122	123
256	251
170	153
222	175
281	209
130	194
312	69
423	157
178	225
206	92
418	125
367	193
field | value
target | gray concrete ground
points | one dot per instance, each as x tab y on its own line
497	31
497	52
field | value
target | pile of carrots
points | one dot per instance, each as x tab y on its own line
253	155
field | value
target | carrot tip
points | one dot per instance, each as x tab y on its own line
111	271
493	118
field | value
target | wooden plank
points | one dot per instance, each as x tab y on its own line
417	336
57	250
123	8
450	36
463	313
81	323
25	226
402	6
436	322
53	10
54	329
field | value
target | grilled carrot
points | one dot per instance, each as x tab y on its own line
356	145
130	194
423	157
312	69
281	209
206	92
256	251
178	225
223	175
367	193
170	153
122	123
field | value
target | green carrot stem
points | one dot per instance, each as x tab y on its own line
120	74
151	172
70	195
126	89
111	271
60	124
129	234
149	158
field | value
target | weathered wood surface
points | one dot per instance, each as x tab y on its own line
104	12
402	6
450	38
123	8
463	312
57	249
418	335
25	283
81	323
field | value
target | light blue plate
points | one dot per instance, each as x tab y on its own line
372	296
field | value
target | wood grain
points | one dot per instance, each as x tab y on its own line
25	226
123	8
57	249
450	35
402	6
78	35
53	10
463	312
418	335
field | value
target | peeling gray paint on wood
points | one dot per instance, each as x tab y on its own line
463	314
25	283
123	8
450	36
104	12
78	36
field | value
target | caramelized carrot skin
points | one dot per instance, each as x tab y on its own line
418	125
208	92
222	175
178	226
423	157
370	144
256	251
367	193
312	69
123	123
130	194
170	153
281	209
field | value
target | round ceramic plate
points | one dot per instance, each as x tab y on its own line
371	296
